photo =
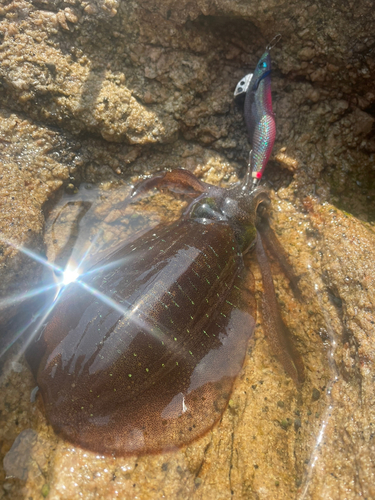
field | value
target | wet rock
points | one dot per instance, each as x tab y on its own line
315	394
103	92
347	250
363	123
17	461
306	54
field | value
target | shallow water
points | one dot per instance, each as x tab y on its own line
92	220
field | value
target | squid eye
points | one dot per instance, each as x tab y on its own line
264	64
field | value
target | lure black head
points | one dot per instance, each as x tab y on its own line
262	70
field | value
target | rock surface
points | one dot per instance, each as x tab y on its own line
104	91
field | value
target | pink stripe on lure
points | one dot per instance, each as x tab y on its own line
259	117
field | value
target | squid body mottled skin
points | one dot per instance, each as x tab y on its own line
139	355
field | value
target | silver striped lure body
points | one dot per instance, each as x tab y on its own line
259	117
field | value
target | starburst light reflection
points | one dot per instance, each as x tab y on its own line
74	272
134	313
41	314
70	275
20	297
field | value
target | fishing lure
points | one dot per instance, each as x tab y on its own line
141	351
259	116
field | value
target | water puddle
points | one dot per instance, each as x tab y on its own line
93	220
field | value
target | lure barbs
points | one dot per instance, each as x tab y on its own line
259	116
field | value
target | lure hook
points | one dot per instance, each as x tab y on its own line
274	41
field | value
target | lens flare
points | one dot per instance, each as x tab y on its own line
70	275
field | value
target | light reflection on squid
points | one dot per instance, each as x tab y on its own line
20	297
130	314
73	273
